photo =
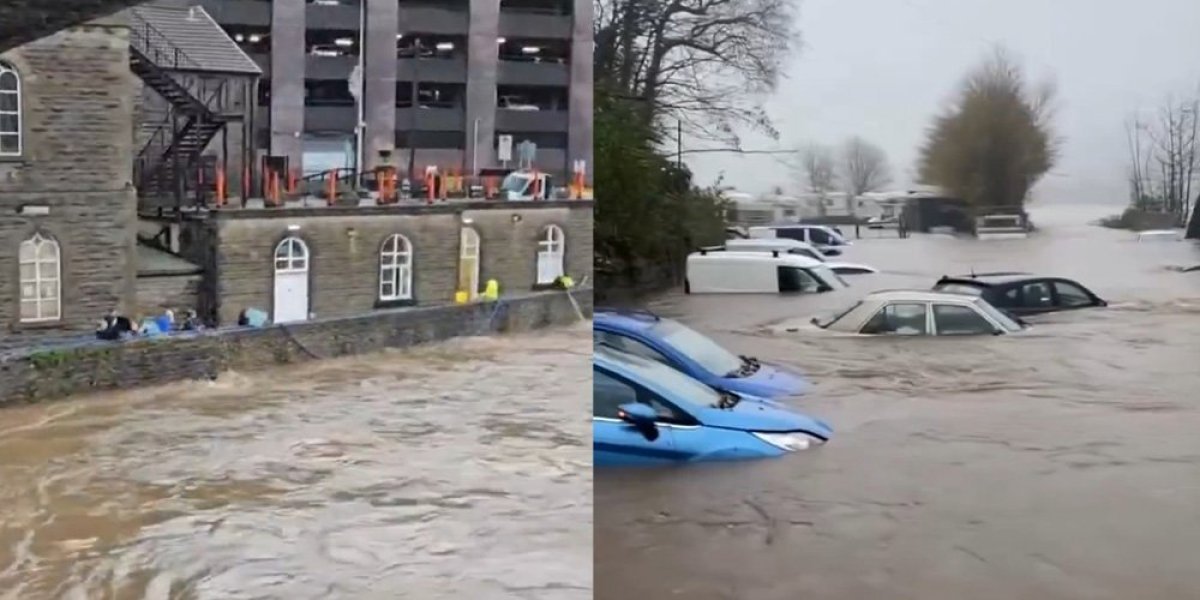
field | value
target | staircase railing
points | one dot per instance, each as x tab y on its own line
164	54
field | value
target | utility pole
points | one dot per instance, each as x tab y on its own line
413	108
358	88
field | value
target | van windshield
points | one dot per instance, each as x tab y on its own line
831	279
824	321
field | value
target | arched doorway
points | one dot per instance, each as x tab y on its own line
468	262
291	281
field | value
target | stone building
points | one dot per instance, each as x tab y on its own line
331	262
67	204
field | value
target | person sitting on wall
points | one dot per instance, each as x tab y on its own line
115	327
149	327
191	322
564	282
165	321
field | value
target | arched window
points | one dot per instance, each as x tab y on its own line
551	250
395	269
41	274
10	111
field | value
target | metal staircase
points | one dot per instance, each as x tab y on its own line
166	171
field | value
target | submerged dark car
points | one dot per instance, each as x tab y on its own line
1022	293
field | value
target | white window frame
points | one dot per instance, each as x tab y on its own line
29	255
396	268
293	262
551	255
4	68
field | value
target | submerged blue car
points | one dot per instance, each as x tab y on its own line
646	413
676	345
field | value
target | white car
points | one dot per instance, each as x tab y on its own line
914	312
789	246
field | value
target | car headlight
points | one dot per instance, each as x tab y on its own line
791	442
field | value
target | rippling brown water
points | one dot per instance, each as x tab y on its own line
456	471
1060	464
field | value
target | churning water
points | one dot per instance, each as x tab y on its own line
1059	464
461	470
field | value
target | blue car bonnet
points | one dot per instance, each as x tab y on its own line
775	380
760	414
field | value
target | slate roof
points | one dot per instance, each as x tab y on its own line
198	36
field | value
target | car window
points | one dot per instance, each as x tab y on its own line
826	320
898	319
997	315
795	279
819	236
1037	295
632	346
1011	298
1071	296
608	394
953	319
791	233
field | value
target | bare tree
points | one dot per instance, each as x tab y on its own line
703	62
819	169
864	169
1164	159
996	142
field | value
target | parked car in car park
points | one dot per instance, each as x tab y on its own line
674	344
790	246
727	272
916	313
1022	293
646	413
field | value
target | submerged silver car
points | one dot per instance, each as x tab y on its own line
918	312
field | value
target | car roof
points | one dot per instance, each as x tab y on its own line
790	260
917	296
626	319
990	279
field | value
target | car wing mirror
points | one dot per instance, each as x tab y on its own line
636	413
641	417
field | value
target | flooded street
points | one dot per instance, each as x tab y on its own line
461	470
1059	464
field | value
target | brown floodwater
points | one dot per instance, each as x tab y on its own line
1059	464
461	470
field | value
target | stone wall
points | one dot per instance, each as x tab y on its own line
344	246
78	98
65	371
161	292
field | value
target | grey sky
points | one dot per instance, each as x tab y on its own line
882	68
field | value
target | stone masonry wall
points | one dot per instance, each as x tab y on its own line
78	97
344	266
50	374
162	292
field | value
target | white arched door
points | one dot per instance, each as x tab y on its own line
291	281
468	262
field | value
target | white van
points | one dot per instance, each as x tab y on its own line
757	273
790	246
826	239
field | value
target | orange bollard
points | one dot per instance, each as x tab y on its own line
220	186
291	181
274	188
489	188
331	186
430	180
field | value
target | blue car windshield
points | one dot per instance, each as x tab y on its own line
711	356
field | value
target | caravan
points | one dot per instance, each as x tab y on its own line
757	273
